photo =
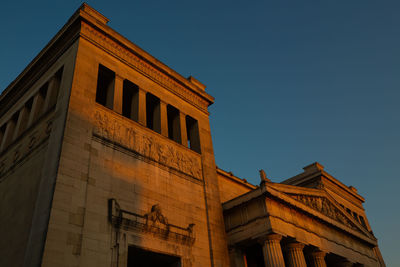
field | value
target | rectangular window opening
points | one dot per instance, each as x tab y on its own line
138	257
2	133
130	100
9	132
105	87
56	87
363	221
153	116
193	136
174	124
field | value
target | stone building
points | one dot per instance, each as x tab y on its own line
106	159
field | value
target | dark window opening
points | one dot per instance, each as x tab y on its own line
143	258
2	133
153	116
130	100
363	221
193	137
348	211
23	119
174	125
105	87
9	132
56	88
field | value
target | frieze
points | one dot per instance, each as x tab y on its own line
23	147
110	127
143	67
324	206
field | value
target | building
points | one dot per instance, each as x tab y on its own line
106	159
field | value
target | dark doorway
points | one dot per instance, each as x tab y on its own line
138	257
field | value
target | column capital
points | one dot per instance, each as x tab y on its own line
294	245
317	253
270	237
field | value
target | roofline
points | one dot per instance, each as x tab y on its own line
230	176
315	169
90	15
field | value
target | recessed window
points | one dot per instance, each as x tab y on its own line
153	117
174	125
105	87
9	132
192	128
2	133
56	88
130	100
363	221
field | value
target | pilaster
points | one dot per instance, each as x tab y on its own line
118	94
142	107
164	118
182	118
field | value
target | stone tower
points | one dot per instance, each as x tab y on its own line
107	157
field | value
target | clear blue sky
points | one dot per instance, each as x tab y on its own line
294	81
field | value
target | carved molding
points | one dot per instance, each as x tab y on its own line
143	67
324	206
109	127
153	222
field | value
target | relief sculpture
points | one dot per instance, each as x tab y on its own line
324	206
110	128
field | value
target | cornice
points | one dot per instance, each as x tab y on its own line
95	30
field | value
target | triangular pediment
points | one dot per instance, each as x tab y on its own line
325	205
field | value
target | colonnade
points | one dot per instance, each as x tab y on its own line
290	254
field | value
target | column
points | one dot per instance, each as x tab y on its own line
118	94
317	258
237	257
295	255
272	251
184	139
164	118
142	107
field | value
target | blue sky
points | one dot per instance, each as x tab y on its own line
295	82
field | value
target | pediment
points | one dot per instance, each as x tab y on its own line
320	201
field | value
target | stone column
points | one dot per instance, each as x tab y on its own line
295	255
142	107
184	139
237	258
272	251
118	94
317	258
164	118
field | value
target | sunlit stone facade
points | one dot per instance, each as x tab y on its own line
106	159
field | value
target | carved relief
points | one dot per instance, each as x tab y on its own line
110	128
324	206
153	222
17	152
143	67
